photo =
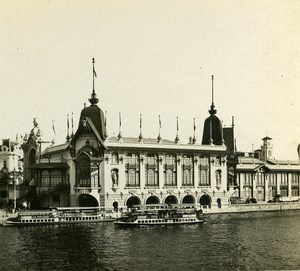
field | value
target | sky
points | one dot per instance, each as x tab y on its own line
153	58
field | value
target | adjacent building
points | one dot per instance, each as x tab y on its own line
11	172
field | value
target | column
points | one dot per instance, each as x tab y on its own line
254	192
196	172
241	182
289	184
178	171
143	162
161	177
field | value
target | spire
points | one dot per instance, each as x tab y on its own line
141	135
194	136
84	122
159	127
94	100
120	124
177	130
68	136
72	123
54	134
105	117
212	110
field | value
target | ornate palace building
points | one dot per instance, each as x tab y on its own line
91	169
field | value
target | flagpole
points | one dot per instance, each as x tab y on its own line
93	75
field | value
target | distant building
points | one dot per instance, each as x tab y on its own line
261	176
91	169
11	172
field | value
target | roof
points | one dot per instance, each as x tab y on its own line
267	138
57	148
251	164
145	140
134	144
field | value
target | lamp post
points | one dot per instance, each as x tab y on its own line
14	186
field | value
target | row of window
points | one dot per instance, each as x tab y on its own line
169	177
51	178
273	178
260	193
134	159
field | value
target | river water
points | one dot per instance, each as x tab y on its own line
253	241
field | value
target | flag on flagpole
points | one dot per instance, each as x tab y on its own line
159	122
72	121
95	74
53	127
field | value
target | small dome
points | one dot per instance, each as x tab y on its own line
212	130
97	116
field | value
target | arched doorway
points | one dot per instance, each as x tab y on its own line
152	200
86	200
219	202
133	201
205	201
171	200
188	199
115	205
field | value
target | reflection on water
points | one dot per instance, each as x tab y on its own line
260	241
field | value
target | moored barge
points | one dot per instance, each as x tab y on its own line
60	215
161	214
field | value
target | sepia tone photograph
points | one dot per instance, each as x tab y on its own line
150	135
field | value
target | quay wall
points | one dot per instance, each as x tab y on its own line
253	207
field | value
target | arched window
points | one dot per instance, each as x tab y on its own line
170	170
132	170
203	171
187	177
170	178
132	178
187	171
151	177
151	170
83	173
45	178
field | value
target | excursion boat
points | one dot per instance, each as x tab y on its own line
161	214
60	215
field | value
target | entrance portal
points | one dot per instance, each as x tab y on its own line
115	205
86	200
188	199
133	201
152	200
205	201
171	200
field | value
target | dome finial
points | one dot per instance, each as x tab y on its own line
94	100
212	110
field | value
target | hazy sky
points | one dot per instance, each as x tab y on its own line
154	58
